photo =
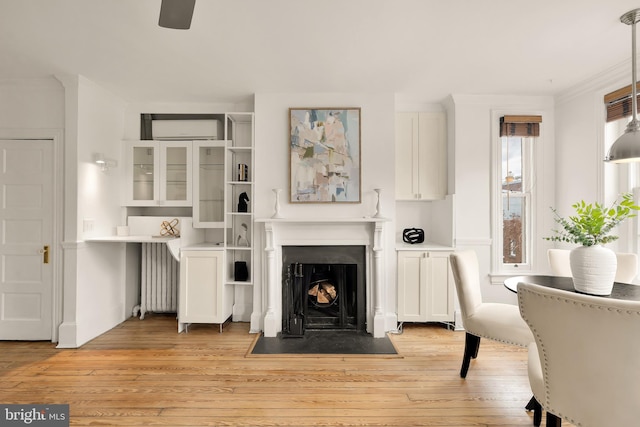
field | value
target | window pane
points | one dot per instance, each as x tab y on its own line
513	236
512	163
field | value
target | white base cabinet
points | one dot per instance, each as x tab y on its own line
203	297
425	287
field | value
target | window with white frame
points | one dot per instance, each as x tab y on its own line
514	188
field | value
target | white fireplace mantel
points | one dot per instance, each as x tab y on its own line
305	231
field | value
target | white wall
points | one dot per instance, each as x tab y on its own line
101	286
94	290
100	128
377	163
578	154
31	104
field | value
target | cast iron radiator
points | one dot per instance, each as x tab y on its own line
159	280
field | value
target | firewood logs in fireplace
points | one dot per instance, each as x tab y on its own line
324	292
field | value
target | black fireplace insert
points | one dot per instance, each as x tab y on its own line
323	289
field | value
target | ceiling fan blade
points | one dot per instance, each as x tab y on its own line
176	14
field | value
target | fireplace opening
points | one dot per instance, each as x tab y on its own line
323	289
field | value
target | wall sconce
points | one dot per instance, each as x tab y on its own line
104	163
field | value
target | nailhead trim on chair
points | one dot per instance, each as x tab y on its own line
494	339
546	405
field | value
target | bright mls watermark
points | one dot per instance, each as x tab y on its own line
34	415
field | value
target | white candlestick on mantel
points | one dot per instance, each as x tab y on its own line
276	213
377	214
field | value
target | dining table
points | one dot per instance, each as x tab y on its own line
624	291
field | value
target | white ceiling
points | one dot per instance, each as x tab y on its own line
427	49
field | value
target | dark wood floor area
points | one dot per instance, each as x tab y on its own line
143	373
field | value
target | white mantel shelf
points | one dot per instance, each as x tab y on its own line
366	231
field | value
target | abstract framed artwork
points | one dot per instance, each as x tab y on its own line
325	155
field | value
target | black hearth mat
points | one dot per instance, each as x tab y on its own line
325	342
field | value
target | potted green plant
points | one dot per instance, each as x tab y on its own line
593	266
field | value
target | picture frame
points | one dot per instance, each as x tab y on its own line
324	148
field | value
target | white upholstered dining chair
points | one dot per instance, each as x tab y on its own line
559	262
627	267
584	366
626	272
495	321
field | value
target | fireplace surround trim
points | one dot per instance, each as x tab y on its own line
368	232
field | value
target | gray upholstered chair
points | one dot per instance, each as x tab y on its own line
585	364
496	321
626	272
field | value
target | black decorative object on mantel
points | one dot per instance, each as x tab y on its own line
242	202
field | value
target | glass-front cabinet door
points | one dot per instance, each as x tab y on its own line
143	162
209	179
159	173
175	177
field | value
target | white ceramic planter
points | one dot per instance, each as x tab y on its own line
593	269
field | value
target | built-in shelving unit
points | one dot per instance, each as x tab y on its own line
239	195
210	180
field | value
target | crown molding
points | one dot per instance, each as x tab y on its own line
604	82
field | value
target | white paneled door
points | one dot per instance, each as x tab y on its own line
26	236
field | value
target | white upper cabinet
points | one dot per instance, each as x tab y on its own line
421	156
158	173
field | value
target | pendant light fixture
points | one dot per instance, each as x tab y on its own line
626	149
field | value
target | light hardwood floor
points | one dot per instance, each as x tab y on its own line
143	373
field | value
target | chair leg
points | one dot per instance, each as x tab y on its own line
471	346
535	406
476	346
553	421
